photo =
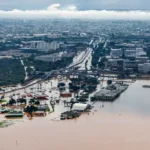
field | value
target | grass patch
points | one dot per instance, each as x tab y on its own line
4	124
1	123
3	101
47	109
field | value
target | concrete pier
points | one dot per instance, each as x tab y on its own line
110	93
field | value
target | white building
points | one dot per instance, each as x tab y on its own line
45	46
55	45
130	53
40	45
116	53
144	68
140	52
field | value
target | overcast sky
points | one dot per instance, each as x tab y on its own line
79	9
80	4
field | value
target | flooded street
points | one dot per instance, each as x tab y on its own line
123	124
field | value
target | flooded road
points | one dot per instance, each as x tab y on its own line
123	124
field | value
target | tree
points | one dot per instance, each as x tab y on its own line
32	101
22	100
12	101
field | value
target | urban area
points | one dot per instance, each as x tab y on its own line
61	69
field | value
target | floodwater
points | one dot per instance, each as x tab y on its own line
121	125
135	99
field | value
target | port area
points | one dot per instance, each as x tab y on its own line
110	93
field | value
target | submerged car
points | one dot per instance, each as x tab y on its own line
14	113
70	115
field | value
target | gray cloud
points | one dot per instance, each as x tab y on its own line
71	11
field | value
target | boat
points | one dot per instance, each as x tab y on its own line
146	86
14	113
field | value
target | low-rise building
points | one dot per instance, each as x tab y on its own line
69	54
130	53
144	68
140	52
49	58
122	64
142	59
116	53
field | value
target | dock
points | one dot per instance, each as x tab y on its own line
110	93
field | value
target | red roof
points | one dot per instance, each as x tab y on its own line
42	98
29	95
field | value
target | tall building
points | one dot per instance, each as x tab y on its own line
121	65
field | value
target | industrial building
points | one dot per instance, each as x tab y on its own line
43	46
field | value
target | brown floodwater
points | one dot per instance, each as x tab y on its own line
123	124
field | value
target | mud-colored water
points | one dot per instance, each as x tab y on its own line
121	125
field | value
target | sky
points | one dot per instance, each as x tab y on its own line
78	9
80	4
